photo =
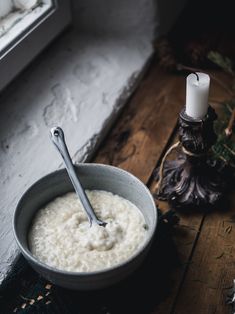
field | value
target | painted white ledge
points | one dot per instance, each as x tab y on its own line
79	83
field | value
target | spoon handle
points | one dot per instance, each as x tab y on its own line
57	137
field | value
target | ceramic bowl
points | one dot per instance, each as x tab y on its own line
92	176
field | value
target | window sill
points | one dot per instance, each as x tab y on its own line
79	83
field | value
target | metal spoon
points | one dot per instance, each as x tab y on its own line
57	137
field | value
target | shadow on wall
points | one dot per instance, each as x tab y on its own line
149	17
168	12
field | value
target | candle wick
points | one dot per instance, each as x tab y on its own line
196	76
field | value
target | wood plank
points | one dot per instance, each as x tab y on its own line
187	233
184	237
136	144
142	133
212	270
143	130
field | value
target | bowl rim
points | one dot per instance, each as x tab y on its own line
26	252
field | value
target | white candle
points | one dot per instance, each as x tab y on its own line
197	91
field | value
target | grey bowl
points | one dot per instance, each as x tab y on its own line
92	176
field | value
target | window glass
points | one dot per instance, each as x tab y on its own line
17	17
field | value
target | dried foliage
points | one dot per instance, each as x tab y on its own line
224	149
224	63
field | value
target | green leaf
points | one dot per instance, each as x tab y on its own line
223	62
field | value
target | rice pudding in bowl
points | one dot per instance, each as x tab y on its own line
93	177
61	236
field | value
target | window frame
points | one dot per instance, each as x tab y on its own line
24	48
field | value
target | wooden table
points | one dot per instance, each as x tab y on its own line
205	268
205	243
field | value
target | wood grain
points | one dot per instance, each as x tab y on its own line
136	144
143	130
212	268
184	237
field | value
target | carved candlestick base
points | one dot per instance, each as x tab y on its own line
192	180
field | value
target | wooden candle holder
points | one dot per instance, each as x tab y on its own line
192	180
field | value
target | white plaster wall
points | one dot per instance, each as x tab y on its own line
5	7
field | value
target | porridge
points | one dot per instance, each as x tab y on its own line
61	237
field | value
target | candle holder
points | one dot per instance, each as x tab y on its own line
192	180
